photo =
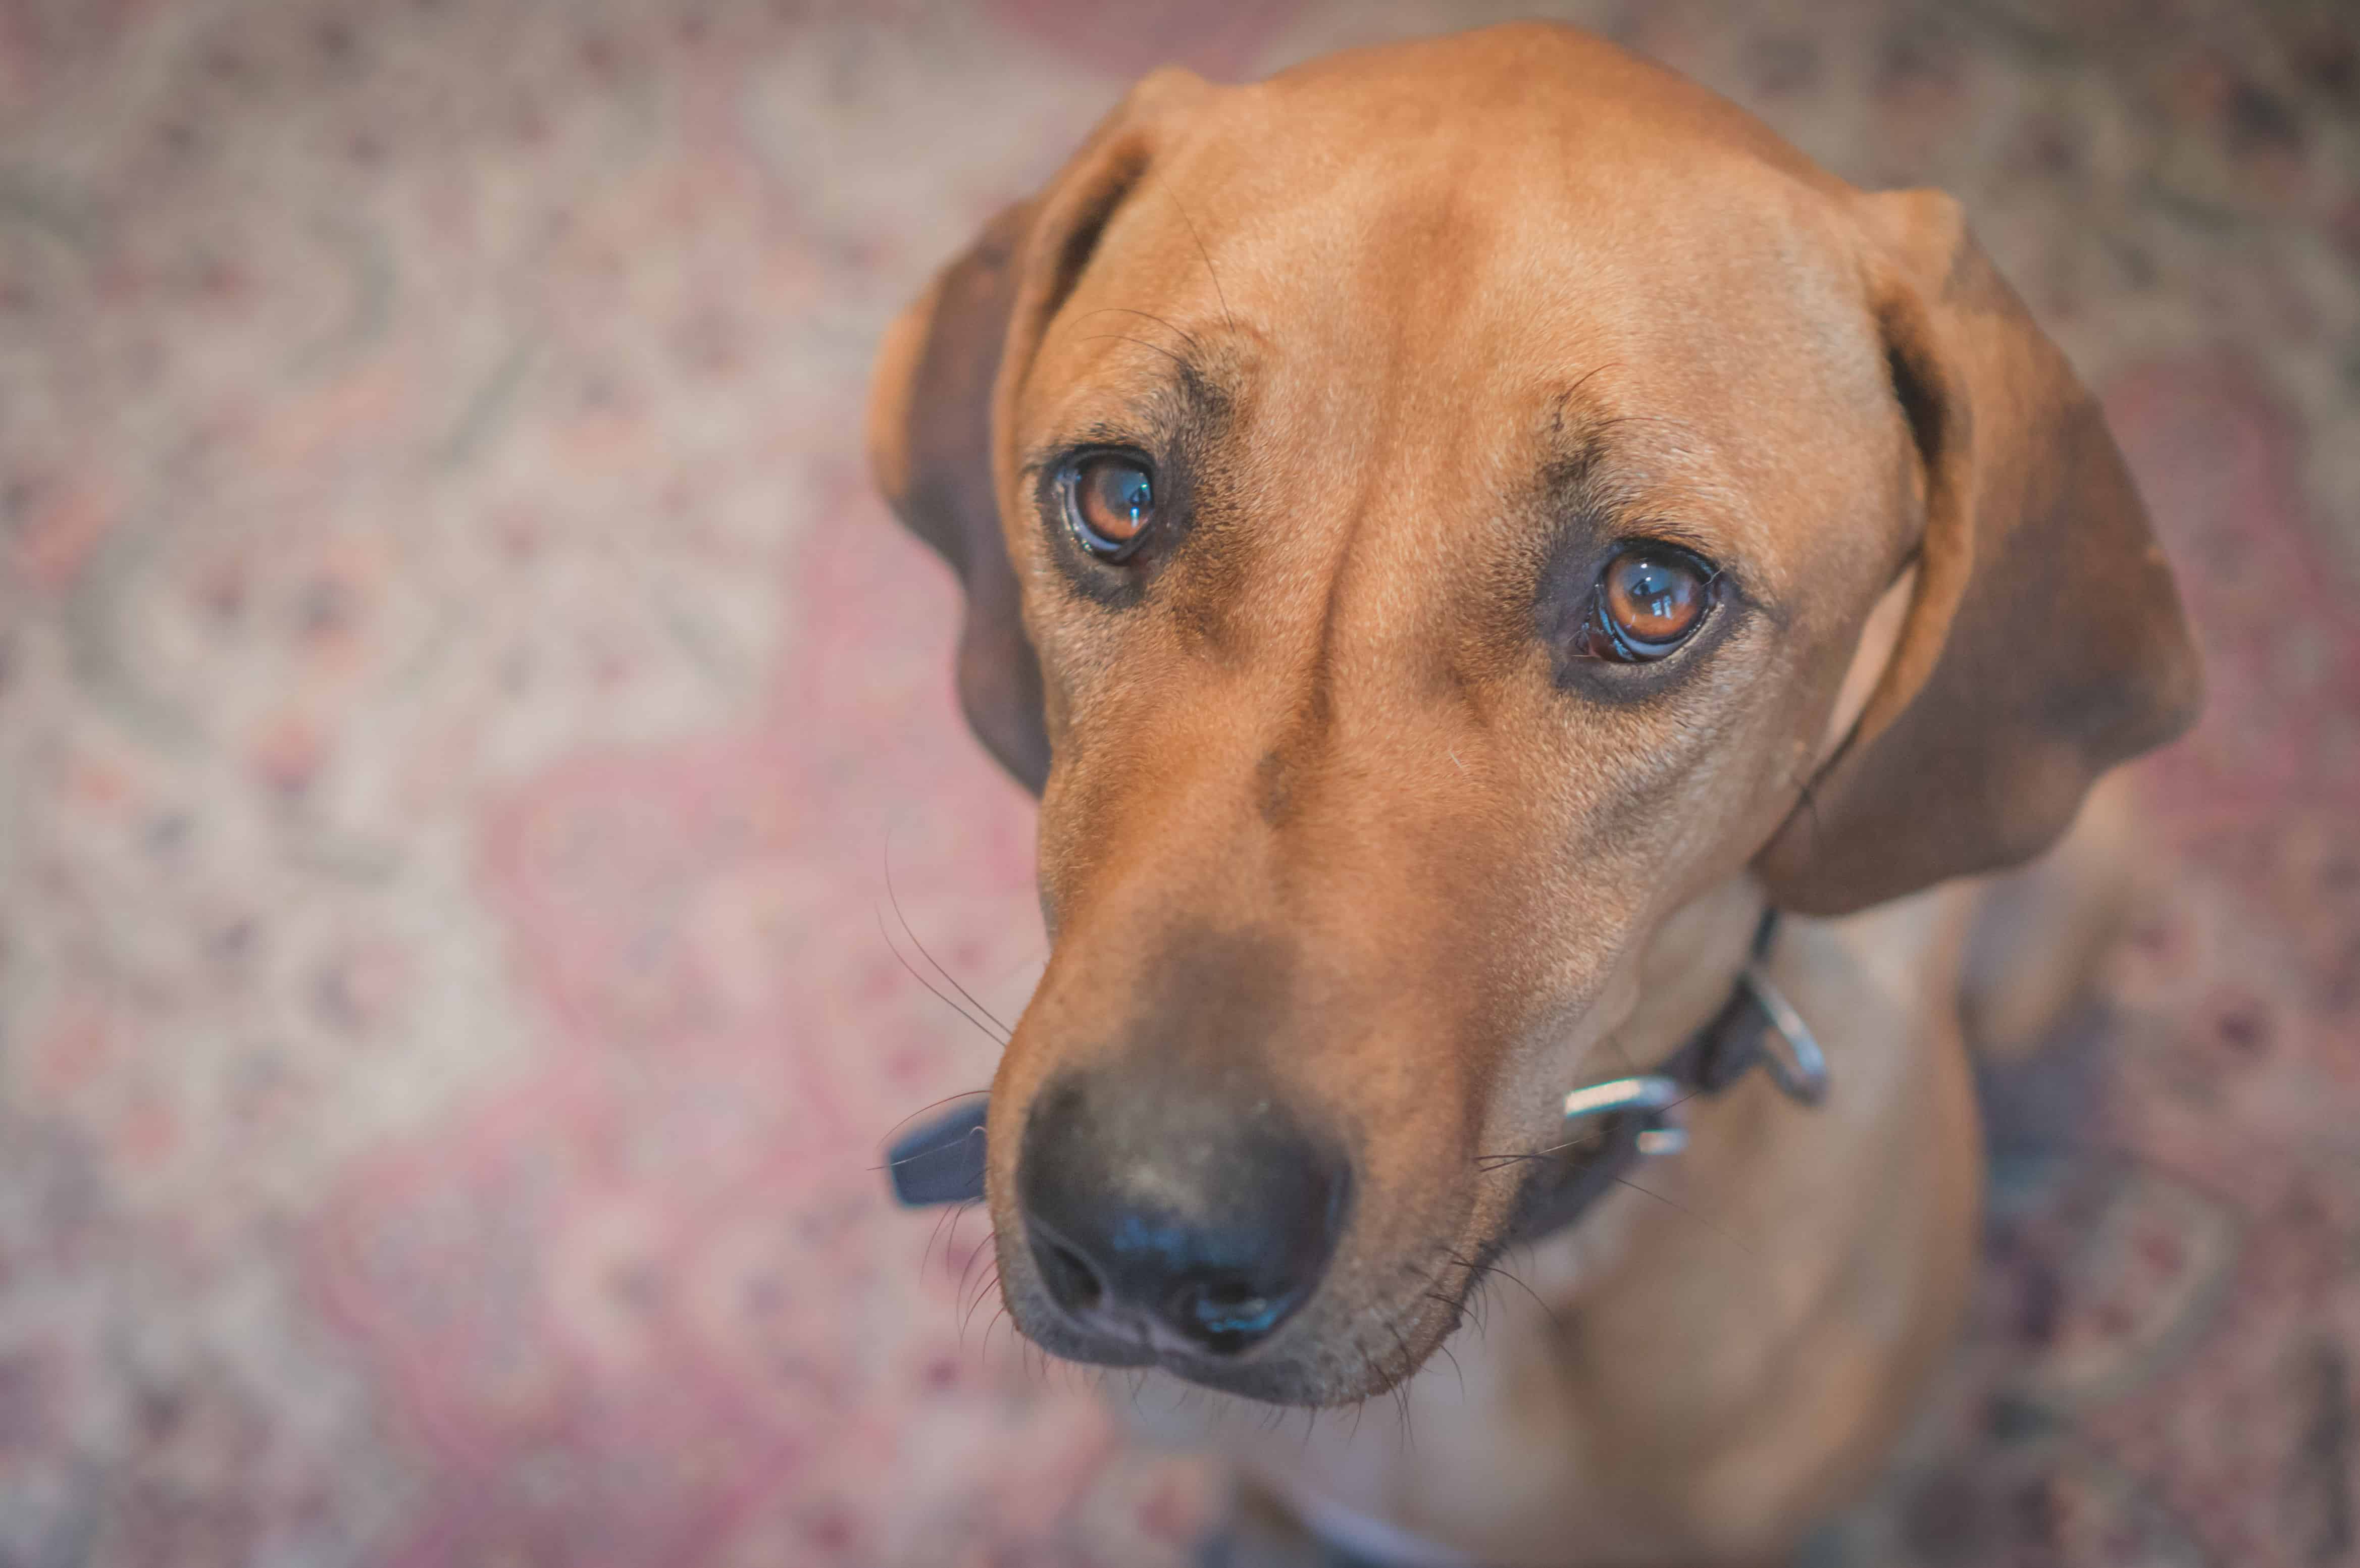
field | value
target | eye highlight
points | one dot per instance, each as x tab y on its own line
1649	599
1109	499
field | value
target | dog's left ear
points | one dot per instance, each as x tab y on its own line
2045	642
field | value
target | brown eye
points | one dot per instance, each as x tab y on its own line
1109	503
1650	599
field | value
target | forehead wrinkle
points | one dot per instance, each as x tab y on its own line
1327	446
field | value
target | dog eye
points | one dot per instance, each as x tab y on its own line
1109	503
1650	599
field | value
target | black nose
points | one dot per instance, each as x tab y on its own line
1182	1217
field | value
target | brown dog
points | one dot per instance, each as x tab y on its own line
1453	532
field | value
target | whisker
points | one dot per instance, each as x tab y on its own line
948	1218
914	1115
1126	337
968	1316
1565	396
1491	1162
1691	1213
983	1287
1459	1317
930	958
1610	420
983	1351
1401	1395
1444	1350
1495	1269
1201	250
968	1272
984	1029
1183	333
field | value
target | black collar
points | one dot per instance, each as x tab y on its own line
941	1160
1717	1055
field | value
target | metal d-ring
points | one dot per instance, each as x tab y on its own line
1660	1140
1652	1092
1649	1096
1802	1070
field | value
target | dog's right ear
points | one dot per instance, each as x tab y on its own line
949	362
930	449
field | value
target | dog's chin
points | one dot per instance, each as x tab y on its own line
1301	1367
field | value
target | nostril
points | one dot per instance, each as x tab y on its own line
1071	1280
1226	1315
1217	1304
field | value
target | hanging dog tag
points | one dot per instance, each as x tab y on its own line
940	1161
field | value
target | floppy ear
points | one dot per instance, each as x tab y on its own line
945	368
2045	642
930	449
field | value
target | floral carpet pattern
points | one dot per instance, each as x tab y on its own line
465	724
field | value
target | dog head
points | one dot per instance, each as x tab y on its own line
1425	520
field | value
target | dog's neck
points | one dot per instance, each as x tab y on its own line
1688	971
1693	960
1700	1008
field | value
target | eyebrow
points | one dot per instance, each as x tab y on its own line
1189	402
1586	479
1577	474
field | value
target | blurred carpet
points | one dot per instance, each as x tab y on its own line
459	703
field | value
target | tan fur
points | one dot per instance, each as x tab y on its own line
1700	1370
1451	314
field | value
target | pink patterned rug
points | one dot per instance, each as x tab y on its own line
460	707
